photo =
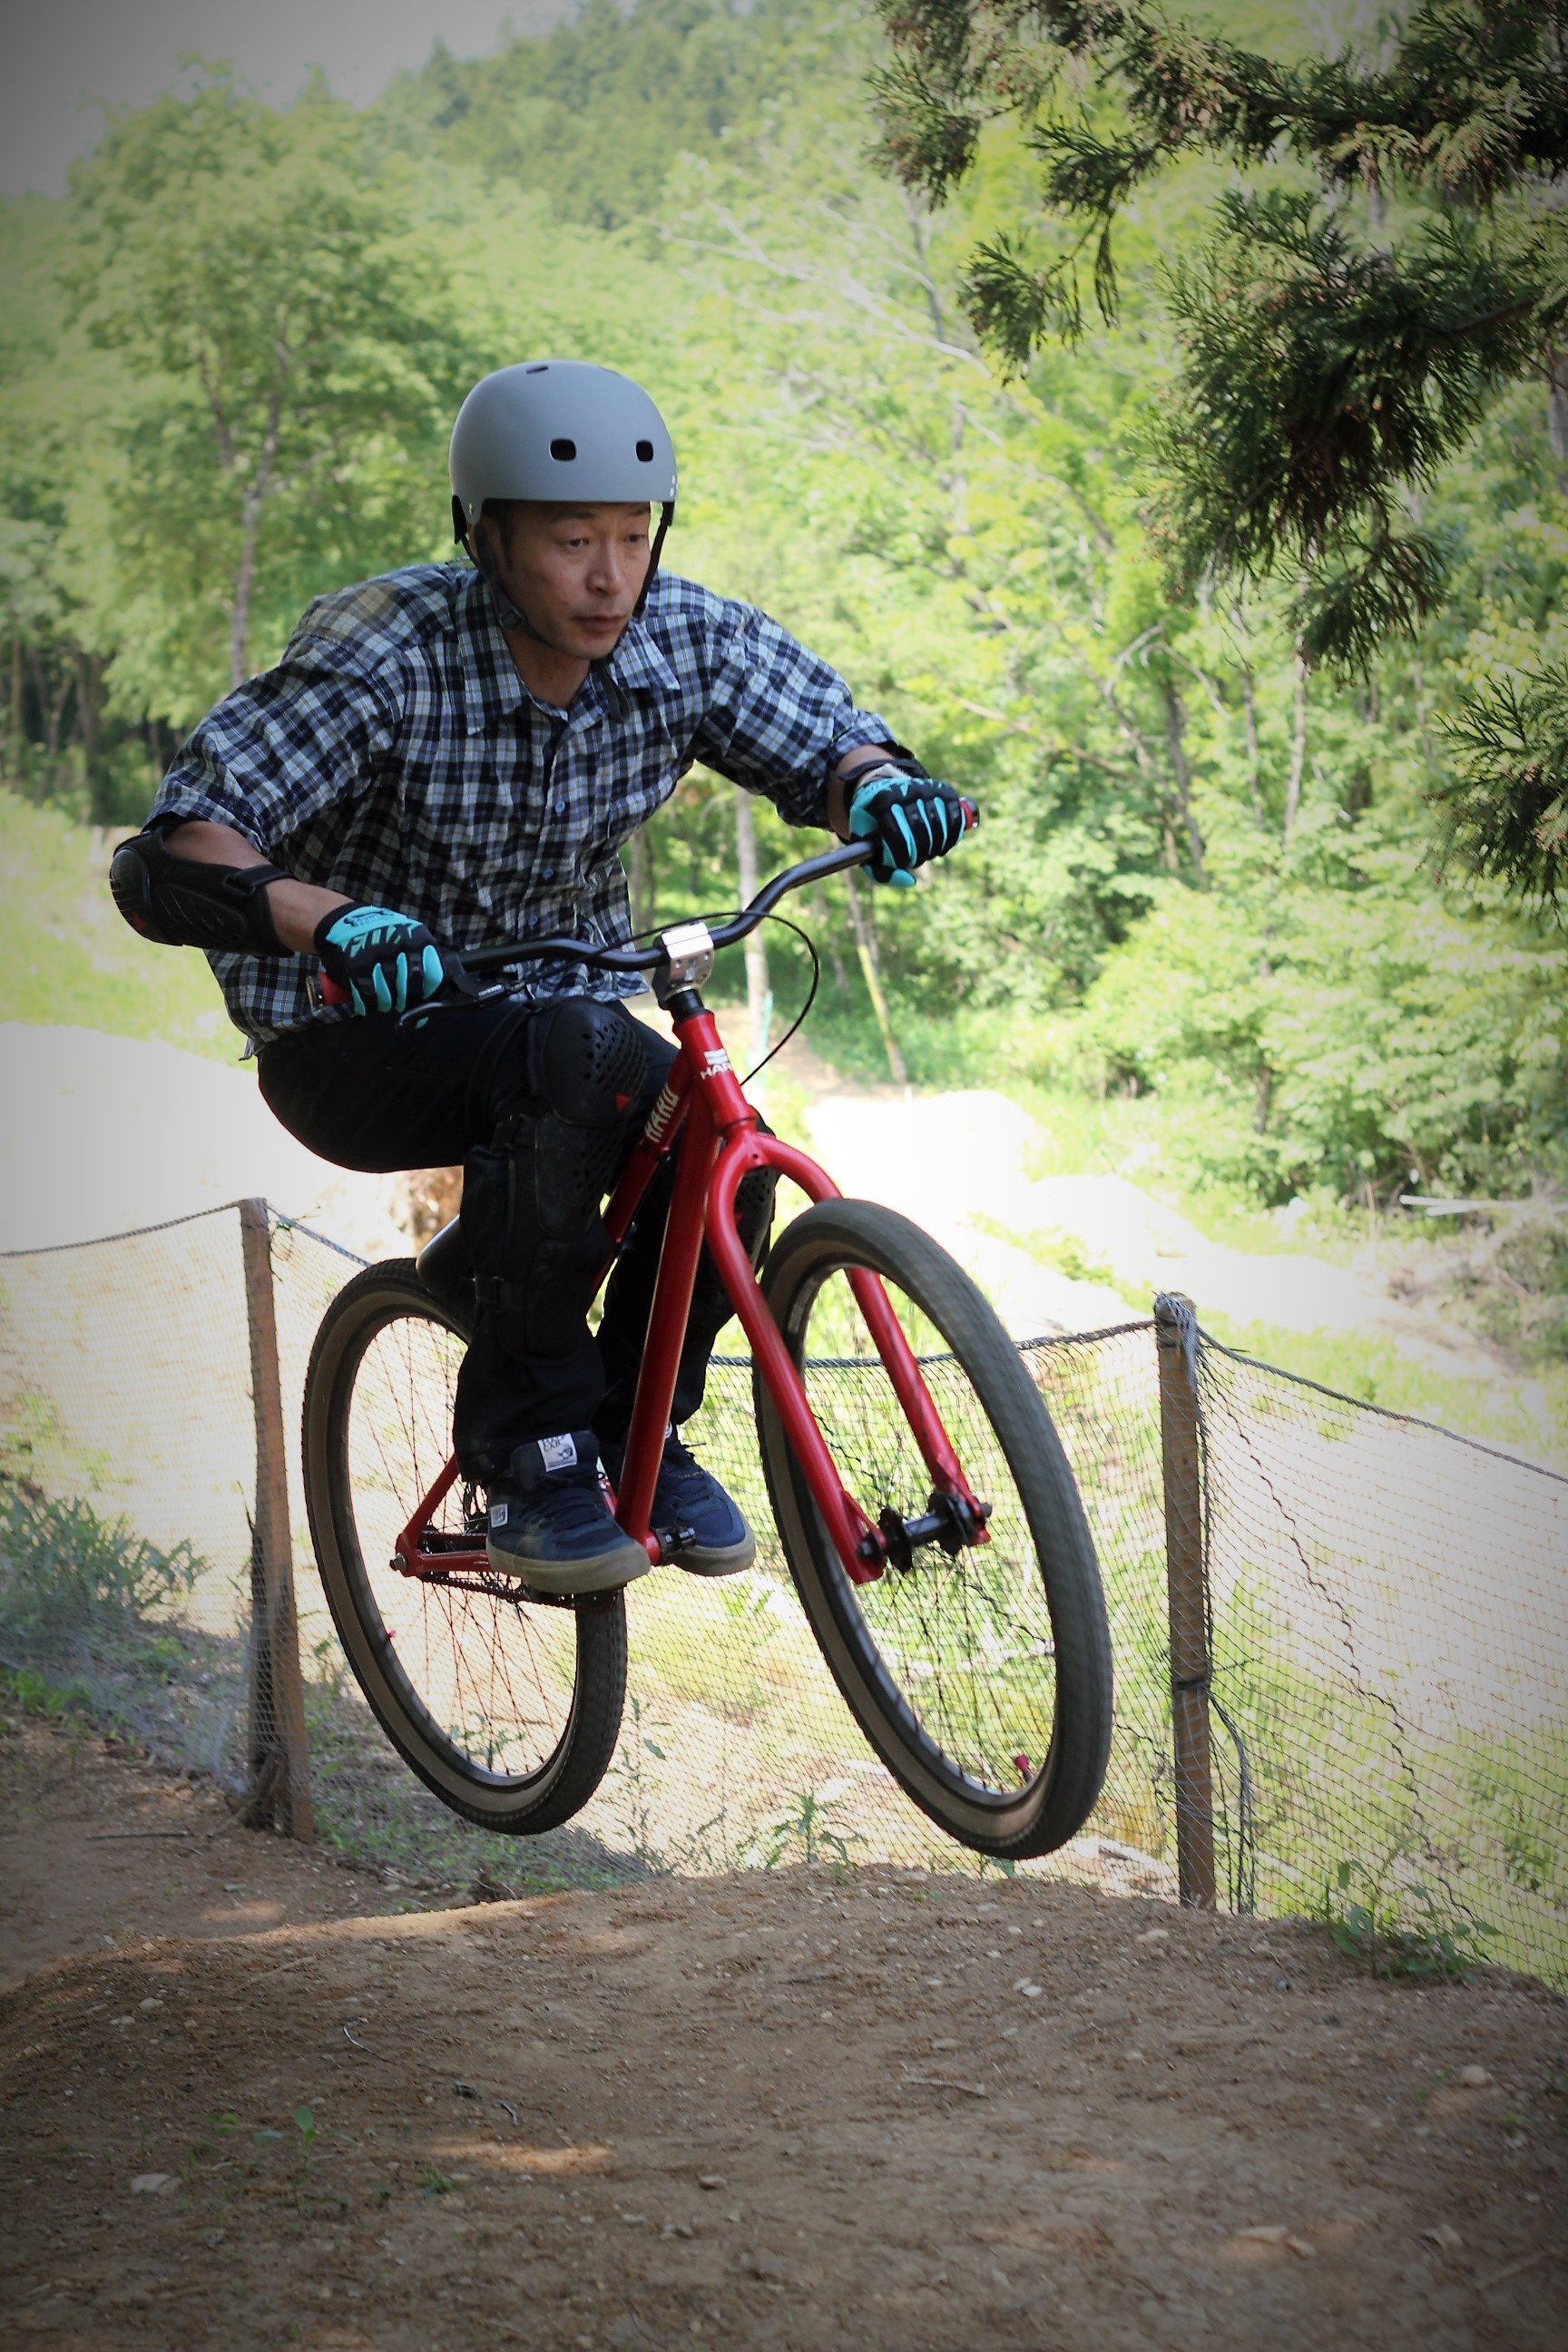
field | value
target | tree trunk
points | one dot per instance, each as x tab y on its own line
866	941
89	695
1557	412
1254	764
1175	731
759	997
836	964
250	531
1297	751
243	580
13	737
50	711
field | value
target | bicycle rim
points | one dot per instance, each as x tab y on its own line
983	1676
507	1708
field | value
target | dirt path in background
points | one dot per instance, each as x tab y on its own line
893	2112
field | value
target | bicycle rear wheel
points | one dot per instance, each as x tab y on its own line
506	1707
982	1679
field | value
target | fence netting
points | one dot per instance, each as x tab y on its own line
1389	1687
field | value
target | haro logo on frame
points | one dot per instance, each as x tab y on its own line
661	1114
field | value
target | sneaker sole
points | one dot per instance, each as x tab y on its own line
606	1571
698	1562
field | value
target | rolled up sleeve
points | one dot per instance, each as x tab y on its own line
281	749
778	718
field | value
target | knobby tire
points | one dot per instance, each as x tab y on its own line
983	1680
455	1680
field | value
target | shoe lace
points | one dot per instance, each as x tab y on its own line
679	1458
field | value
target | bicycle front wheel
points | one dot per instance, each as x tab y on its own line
507	1708
981	1678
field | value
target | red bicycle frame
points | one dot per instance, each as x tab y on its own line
703	1115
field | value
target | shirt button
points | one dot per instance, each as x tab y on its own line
560	808
548	872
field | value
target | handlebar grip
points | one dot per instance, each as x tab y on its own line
332	991
970	814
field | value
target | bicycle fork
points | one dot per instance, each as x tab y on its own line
721	1145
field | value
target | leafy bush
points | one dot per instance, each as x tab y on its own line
70	1578
1408	1933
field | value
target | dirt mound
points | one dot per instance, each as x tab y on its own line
886	2110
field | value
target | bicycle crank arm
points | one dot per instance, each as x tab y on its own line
949	1522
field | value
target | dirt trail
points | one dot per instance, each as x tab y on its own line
889	2112
960	1164
190	1134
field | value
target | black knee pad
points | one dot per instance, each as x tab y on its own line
590	1072
754	1210
535	1253
530	1200
590	1063
753	1223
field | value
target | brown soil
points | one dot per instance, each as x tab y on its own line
778	2111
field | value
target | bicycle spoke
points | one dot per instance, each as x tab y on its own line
493	1677
966	1640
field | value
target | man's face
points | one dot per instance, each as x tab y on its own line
576	572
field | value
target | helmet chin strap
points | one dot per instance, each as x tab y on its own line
511	615
666	517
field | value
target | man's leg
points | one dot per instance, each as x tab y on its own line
629	1298
716	1539
562	1107
536	1101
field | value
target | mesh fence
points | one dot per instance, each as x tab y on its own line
1389	1687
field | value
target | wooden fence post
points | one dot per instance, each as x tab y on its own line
1187	1597
280	1760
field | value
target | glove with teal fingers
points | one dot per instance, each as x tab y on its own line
383	961
909	817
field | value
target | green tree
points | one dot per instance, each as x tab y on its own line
282	310
1395	253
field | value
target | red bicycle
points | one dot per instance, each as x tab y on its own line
925	1507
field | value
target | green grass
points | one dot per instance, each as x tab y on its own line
70	958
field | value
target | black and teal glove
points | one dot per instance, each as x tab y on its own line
384	961
909	818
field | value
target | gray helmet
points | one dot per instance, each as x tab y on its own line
559	429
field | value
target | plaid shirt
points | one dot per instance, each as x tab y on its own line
396	754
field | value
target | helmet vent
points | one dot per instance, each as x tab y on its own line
563	449
644	451
540	367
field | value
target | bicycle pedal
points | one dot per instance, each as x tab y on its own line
586	1604
670	1539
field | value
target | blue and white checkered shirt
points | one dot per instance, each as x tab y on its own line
396	754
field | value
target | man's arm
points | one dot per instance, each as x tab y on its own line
779	720
297	907
858	761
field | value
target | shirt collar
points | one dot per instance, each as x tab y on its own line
492	686
637	661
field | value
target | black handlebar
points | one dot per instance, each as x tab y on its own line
564	950
603	958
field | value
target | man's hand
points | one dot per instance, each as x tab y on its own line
909	818
387	961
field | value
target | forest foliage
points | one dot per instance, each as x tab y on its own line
1208	868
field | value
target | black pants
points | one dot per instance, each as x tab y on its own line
540	1103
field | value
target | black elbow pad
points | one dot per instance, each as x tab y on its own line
182	902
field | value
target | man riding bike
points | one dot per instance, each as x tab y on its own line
447	758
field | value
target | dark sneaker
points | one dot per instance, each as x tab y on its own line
548	1522
689	1500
